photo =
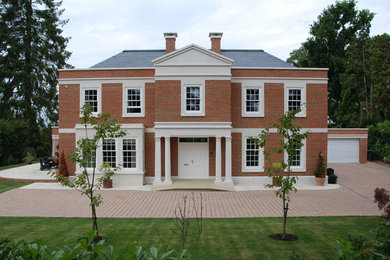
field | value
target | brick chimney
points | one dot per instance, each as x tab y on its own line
170	39
216	41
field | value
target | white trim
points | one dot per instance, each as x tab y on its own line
202	90
91	85
189	125
279	68
256	131
347	136
108	68
348	129
190	77
283	80
303	98
55	137
124	101
191	129
192	47
245	168
149	130
302	167
123	80
259	113
66	130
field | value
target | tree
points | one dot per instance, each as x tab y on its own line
337	27
290	143
32	50
86	182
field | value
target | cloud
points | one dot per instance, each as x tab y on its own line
102	28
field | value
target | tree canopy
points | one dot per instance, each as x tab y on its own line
31	52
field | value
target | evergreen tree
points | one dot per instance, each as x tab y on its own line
336	28
31	52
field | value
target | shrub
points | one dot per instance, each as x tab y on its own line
330	171
321	168
382	197
332	178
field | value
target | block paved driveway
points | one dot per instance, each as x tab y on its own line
354	197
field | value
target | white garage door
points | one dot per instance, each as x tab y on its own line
342	150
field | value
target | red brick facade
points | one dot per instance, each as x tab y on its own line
223	103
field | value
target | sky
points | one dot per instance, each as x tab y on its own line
100	29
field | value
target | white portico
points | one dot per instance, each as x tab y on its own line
193	153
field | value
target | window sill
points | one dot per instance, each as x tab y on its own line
133	115
258	169
253	115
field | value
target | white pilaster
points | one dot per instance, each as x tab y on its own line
168	179
157	160
228	161
218	161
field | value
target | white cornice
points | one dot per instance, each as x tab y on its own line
192	125
347	136
278	68
113	68
105	80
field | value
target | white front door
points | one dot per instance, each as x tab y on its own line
193	160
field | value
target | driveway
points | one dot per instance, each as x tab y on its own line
354	197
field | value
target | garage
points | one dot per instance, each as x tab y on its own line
343	150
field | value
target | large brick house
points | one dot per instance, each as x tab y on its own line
189	113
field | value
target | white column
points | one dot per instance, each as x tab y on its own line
157	160
218	161
168	179
228	161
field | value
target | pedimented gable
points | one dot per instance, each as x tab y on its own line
193	61
193	55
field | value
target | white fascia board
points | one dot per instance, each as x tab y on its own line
279	68
348	129
189	125
111	68
66	130
256	131
106	80
284	80
347	136
189	47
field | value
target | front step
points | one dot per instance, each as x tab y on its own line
193	185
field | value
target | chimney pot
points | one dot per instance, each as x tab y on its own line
216	41
170	40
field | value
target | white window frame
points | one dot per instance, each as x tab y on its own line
136	153
116	152
99	98
303	97
302	167
124	102
184	111
259	113
246	168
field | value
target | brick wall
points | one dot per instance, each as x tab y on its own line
105	73
67	144
316	107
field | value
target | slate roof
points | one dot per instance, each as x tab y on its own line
143	58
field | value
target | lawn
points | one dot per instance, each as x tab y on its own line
10	185
221	238
12	166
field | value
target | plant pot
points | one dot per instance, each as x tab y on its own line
107	184
320	181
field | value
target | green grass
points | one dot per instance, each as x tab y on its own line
12	166
10	185
221	238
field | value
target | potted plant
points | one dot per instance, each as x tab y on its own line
320	173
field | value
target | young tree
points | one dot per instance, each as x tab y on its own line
86	182
291	143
